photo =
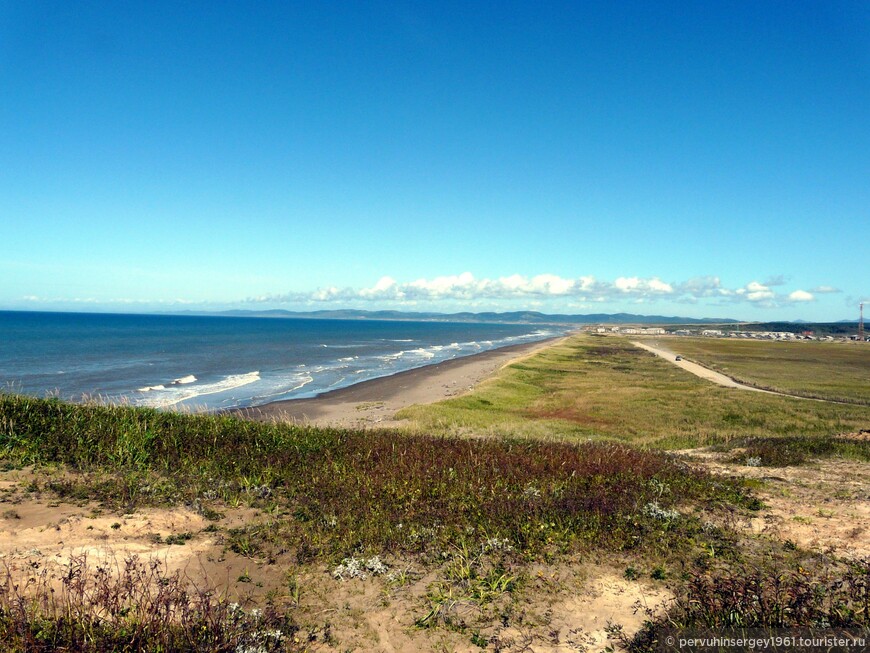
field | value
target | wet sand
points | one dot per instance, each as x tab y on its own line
375	402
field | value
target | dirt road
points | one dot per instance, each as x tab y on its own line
703	372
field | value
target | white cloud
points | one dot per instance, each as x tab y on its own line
627	284
801	296
660	286
635	284
466	286
756	292
472	291
550	284
825	289
698	287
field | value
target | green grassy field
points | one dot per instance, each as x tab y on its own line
827	370
605	388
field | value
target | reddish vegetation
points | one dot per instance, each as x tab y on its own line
569	414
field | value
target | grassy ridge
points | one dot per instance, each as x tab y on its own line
605	388
331	492
810	369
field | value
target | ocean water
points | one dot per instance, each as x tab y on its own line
211	363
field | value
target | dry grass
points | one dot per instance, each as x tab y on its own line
605	388
131	606
825	370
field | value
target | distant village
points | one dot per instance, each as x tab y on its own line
719	333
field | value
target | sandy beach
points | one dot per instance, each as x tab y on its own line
374	403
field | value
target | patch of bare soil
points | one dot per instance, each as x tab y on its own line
557	609
862	435
576	616
821	506
561	610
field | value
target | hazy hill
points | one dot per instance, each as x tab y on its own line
516	317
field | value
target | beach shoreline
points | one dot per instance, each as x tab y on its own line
373	403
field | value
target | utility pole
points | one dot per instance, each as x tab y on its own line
861	323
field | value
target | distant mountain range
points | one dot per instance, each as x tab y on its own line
515	317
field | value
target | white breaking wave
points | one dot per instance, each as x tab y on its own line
278	387
425	353
163	397
305	381
149	388
309	379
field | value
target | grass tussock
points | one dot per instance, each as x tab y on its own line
790	451
136	606
765	597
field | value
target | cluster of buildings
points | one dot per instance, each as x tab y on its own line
716	333
786	335
630	330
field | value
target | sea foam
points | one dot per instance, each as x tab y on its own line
149	388
163	397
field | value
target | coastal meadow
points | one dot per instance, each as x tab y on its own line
605	388
336	492
479	514
568	465
818	370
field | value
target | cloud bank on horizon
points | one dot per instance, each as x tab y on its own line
466	287
701	296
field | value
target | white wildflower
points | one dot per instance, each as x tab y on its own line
531	492
376	565
349	568
358	568
497	544
654	510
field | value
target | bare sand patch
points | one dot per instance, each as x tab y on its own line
820	506
563	608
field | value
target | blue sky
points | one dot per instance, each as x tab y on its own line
689	158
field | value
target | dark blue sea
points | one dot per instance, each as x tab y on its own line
210	362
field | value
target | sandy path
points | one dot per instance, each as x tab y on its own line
373	403
721	379
703	372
